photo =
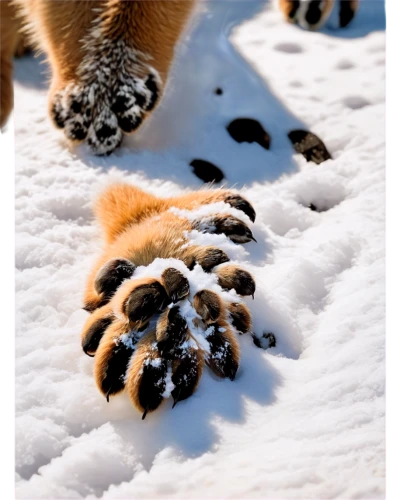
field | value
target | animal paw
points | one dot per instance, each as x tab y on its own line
99	115
156	333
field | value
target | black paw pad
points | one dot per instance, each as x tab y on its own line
309	145
236	201
152	85
105	134
295	4
206	171
249	130
314	13
347	11
175	284
111	275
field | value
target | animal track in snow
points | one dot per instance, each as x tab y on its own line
289	48
355	102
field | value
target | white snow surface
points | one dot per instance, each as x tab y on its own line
302	420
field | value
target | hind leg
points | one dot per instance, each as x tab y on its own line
110	70
10	40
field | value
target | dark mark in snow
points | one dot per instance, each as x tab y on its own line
309	145
267	340
249	130
207	171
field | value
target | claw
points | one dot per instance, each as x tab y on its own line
108	394
232	373
176	398
145	413
252	238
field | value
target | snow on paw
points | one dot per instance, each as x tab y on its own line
133	98
176	284
171	332
223	355
70	110
186	374
113	91
112	358
146	378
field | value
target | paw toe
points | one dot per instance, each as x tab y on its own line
111	275
232	277
104	134
187	372
223	357
175	284
238	202
171	331
210	257
208	305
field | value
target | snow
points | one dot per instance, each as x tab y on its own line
304	419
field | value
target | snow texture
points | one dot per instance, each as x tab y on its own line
304	419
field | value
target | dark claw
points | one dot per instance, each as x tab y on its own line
108	394
231	372
145	413
176	398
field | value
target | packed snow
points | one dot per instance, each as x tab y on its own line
304	419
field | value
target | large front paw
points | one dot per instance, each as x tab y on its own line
156	333
100	113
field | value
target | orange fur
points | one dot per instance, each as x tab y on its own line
138	228
61	29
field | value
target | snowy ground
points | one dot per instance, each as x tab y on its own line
302	420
